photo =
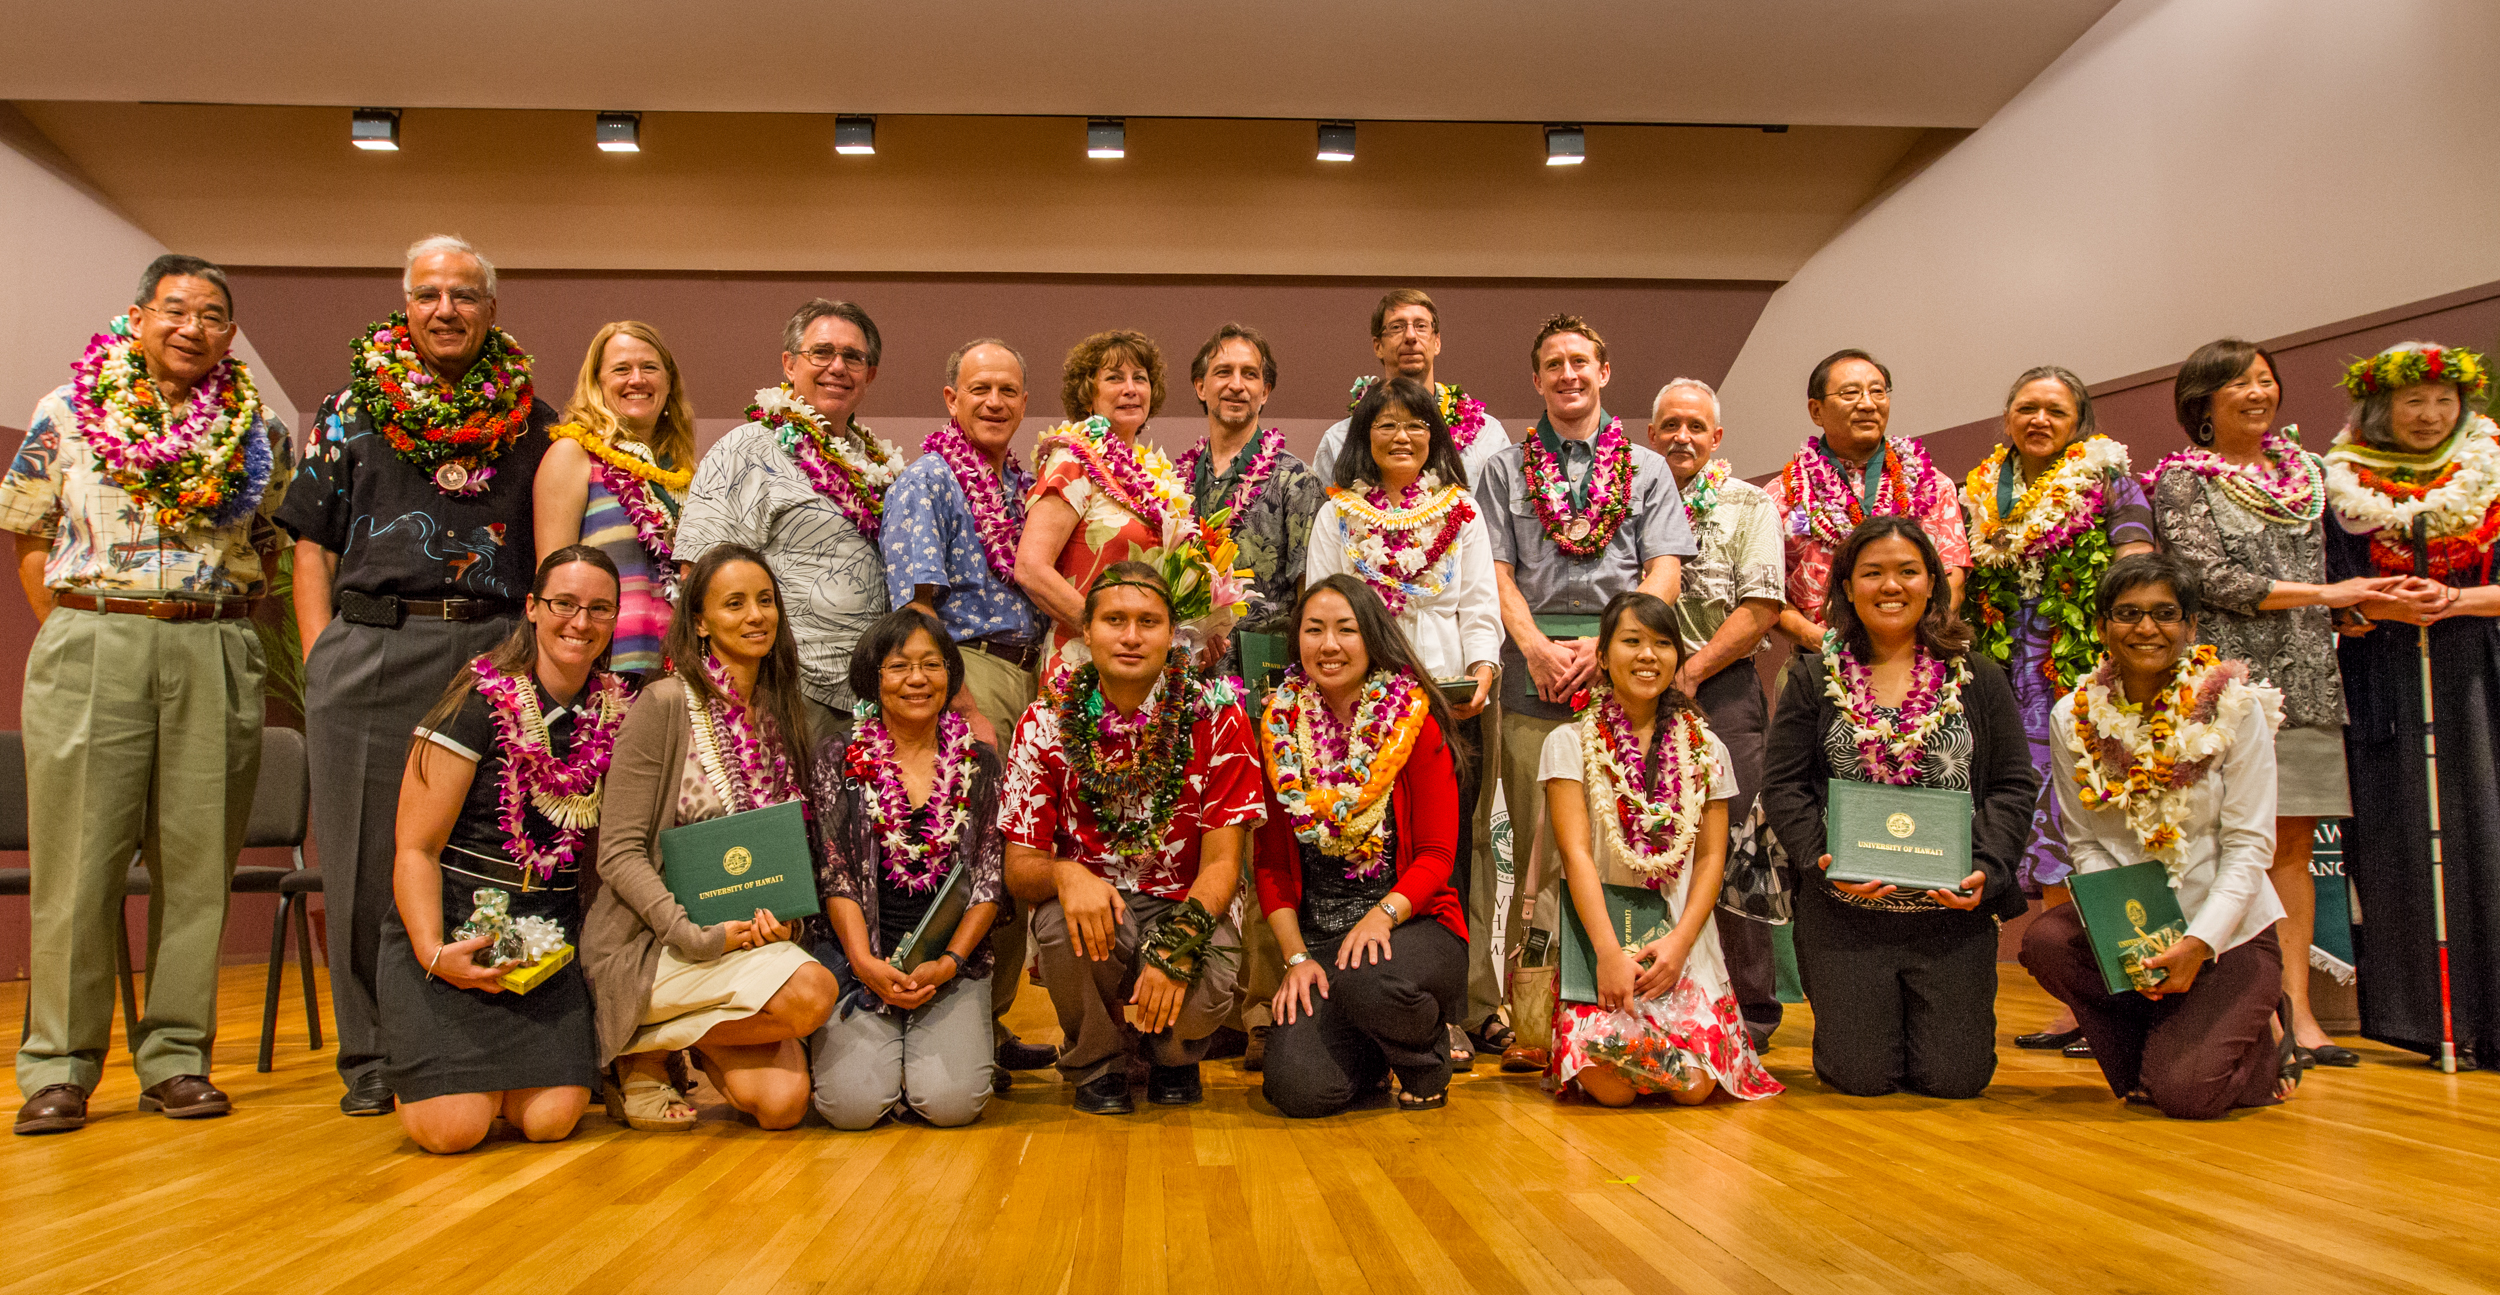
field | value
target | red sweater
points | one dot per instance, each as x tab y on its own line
1425	801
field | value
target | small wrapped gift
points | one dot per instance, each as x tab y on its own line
535	943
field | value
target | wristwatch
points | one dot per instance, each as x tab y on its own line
1296	960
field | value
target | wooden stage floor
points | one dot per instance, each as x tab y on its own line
2376	1179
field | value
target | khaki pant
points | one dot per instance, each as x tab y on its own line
140	735
1091	997
1523	742
1001	692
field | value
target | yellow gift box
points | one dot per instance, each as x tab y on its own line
521	980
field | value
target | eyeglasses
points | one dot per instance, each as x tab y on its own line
900	670
566	609
1408	327
210	321
1876	394
2130	614
462	300
831	357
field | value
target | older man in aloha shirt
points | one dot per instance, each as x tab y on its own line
1223	787
1933	500
126	717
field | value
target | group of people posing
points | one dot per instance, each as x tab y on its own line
1214	739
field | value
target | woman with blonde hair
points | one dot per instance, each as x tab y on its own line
615	476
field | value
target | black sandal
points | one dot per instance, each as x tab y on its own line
2291	1060
1410	1103
1493	1038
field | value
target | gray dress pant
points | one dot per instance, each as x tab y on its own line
1090	996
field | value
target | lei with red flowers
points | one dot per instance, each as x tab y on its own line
1818	501
626	470
451	434
1463	414
852	471
1333	779
566	788
916	863
1890	747
997	507
1584	532
1658	800
209	467
1398	546
1263	451
739	751
2287	489
2399	367
2379	492
1136	477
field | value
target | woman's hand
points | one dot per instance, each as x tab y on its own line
455	963
2345	593
1663	963
1618	977
1861	889
1369	936
1293	995
888	982
768	928
2182	960
1967	897
1475	705
934	973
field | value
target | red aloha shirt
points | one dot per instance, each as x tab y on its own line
1225	789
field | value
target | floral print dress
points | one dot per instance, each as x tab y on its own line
1107	531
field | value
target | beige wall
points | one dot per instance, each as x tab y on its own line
2189	169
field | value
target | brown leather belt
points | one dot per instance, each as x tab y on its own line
161	609
387	611
1023	656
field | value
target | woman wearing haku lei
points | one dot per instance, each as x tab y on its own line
723	733
2419	449
2048	509
615	477
2165	751
501	793
1903	983
1355	860
1637	790
1103	496
909	799
2244	505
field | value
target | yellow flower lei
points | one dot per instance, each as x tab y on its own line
602	449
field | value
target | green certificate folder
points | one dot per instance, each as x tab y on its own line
724	869
1638	914
2129	914
1262	664
936	928
1917	838
1459	691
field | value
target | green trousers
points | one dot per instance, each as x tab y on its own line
141	736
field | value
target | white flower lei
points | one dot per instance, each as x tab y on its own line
1607	779
1903	747
872	459
2157	816
2456	507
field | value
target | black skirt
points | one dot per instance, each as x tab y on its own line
440	1039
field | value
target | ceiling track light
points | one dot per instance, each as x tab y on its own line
375	130
1106	137
1336	141
855	135
620	132
1566	146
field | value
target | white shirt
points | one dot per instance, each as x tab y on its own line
2225	845
1453	630
1490	440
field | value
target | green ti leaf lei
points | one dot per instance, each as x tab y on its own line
1993	602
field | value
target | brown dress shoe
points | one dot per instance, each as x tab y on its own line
57	1108
185	1097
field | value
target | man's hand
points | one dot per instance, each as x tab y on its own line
1158	999
1093	909
1551	666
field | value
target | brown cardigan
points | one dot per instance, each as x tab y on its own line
635	910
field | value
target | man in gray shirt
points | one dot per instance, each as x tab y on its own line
1577	513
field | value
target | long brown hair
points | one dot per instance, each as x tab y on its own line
672	442
777	698
518	654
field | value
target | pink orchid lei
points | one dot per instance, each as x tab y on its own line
1890	747
2289	490
754	770
655	520
567	788
1817	502
917	864
210	466
1585	533
997	508
1263	450
1398	545
1658	800
851	470
1463	413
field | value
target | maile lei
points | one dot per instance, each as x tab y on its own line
737	750
1132	796
2379	492
2288	488
2144	762
647	492
852	469
2048	548
997	506
455	433
1334	779
1586	531
1819	502
1701	494
1263	450
1890	746
1136	477
1398	546
566	788
917	863
1462	413
1657	800
208	467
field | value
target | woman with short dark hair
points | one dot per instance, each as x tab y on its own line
1903	983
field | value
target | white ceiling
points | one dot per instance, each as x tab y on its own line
1917	63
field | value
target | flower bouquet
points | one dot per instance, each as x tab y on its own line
1208	591
536	943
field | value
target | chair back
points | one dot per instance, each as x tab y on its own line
12	790
280	802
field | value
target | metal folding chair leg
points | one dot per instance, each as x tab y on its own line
277	972
304	959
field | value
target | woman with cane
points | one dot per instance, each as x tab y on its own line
2414	483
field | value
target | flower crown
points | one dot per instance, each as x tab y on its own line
2394	370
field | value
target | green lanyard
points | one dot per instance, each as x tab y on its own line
1873	475
1554	448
